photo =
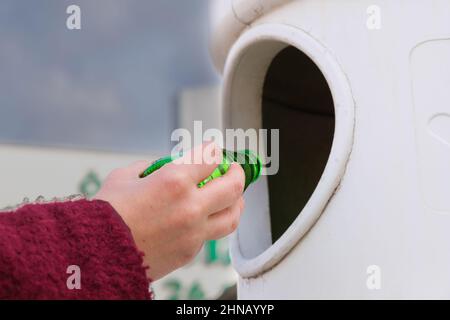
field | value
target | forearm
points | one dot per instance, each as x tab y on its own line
39	243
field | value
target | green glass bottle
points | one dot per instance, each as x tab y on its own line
250	163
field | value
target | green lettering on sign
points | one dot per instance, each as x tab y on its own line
216	251
90	184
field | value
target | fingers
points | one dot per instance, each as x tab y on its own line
222	192
199	162
224	222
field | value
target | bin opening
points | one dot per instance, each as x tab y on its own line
297	100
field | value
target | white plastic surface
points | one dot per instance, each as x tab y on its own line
431	87
391	209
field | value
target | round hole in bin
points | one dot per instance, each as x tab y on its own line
278	76
297	101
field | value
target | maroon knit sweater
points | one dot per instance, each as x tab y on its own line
38	243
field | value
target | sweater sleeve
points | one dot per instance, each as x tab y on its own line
69	250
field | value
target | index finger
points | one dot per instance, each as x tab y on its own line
199	162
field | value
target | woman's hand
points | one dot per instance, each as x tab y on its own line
169	216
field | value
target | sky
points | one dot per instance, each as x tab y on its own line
113	85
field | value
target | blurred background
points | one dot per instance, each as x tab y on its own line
74	104
113	85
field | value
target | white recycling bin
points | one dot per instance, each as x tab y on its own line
360	91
